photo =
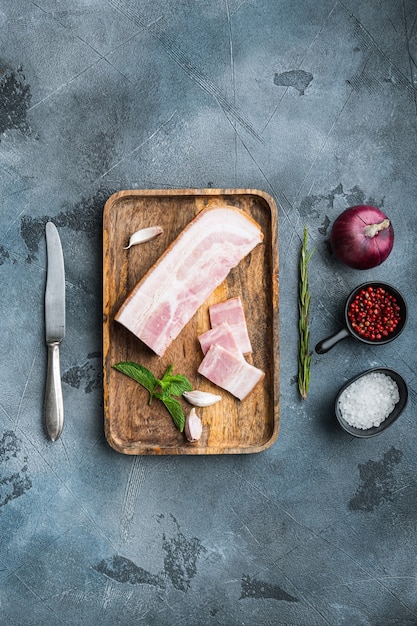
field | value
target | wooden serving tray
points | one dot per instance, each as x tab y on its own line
230	426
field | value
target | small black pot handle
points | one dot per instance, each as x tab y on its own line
326	344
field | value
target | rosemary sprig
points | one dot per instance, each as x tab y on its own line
304	298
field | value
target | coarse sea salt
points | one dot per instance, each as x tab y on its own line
368	401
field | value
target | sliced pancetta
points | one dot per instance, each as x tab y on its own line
231	311
198	260
230	372
221	335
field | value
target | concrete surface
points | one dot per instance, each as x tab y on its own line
315	103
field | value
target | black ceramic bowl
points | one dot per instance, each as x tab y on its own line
395	413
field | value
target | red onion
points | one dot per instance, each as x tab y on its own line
362	237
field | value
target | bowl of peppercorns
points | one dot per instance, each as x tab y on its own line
375	313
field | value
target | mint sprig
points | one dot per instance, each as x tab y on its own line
164	389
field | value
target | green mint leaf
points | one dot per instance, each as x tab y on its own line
139	373
168	372
164	383
174	409
174	384
178	384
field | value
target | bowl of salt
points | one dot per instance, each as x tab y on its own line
367	404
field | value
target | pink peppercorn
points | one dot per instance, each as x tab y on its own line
374	313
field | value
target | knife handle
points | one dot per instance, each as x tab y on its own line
54	403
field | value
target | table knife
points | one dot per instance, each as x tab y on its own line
54	331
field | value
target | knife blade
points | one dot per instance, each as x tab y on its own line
54	331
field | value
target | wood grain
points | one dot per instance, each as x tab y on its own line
230	426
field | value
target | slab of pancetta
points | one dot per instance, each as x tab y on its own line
230	372
197	261
221	335
231	311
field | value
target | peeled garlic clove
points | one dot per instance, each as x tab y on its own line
201	398
143	235
193	426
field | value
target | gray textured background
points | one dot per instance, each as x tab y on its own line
313	102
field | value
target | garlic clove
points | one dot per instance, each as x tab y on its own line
193	428
143	235
201	398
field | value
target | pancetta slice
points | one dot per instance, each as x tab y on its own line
197	261
229	372
231	311
222	336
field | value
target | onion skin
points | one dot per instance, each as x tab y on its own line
362	237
